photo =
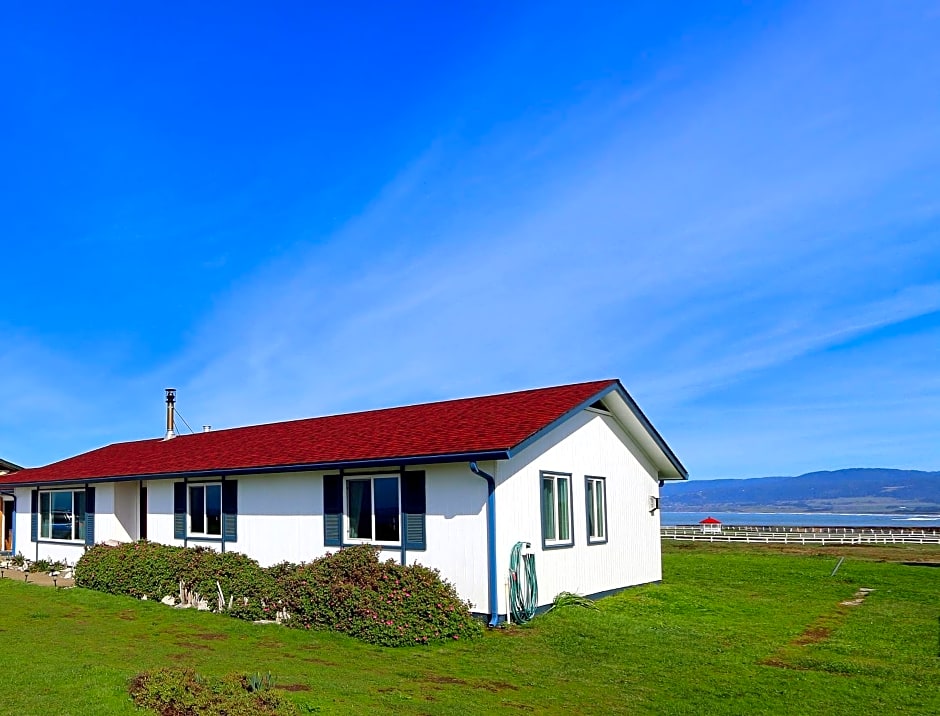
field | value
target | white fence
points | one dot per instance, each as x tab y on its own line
806	535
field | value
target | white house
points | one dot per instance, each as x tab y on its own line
572	470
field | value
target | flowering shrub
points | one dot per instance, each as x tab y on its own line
154	570
351	591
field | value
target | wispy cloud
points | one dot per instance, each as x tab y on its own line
715	234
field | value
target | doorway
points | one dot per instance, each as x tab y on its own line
6	526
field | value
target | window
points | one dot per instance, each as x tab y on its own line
556	509
205	509
62	515
383	509
596	492
372	509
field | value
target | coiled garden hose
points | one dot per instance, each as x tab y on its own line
523	584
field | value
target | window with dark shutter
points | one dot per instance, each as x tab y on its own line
230	510
89	516
179	510
414	509
34	518
332	510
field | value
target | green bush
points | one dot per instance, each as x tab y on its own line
352	591
182	692
154	570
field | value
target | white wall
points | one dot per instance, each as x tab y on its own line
280	517
594	444
126	512
456	530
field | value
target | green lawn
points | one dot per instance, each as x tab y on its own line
733	629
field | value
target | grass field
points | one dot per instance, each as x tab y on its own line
733	629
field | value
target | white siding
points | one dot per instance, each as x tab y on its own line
280	517
160	512
590	443
126	512
456	530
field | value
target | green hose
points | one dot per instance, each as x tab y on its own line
523	585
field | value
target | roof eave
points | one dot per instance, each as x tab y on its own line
270	469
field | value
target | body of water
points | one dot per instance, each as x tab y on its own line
802	519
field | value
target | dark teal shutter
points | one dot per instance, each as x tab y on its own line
230	510
333	510
413	509
89	516
34	523
179	510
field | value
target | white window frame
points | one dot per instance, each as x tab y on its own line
596	508
205	515
371	479
74	523
554	540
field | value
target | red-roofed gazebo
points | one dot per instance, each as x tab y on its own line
710	525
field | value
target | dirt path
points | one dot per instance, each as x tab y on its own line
40	578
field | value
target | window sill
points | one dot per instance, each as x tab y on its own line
557	545
348	542
50	540
597	540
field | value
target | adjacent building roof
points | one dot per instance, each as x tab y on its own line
6	466
486	428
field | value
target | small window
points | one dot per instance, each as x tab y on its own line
62	515
373	508
596	493
205	509
556	509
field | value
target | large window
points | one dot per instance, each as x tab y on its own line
62	515
556	509
372	509
596	491
205	509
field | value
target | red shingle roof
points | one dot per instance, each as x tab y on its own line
463	427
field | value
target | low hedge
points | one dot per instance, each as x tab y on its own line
380	602
351	591
151	570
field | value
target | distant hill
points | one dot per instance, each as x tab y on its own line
856	490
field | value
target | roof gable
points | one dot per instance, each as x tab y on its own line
488	427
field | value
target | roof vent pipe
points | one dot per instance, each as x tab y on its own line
207	428
170	413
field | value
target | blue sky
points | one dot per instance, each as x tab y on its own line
287	211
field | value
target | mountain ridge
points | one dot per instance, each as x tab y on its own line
862	490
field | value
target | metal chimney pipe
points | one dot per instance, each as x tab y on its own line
206	428
170	413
